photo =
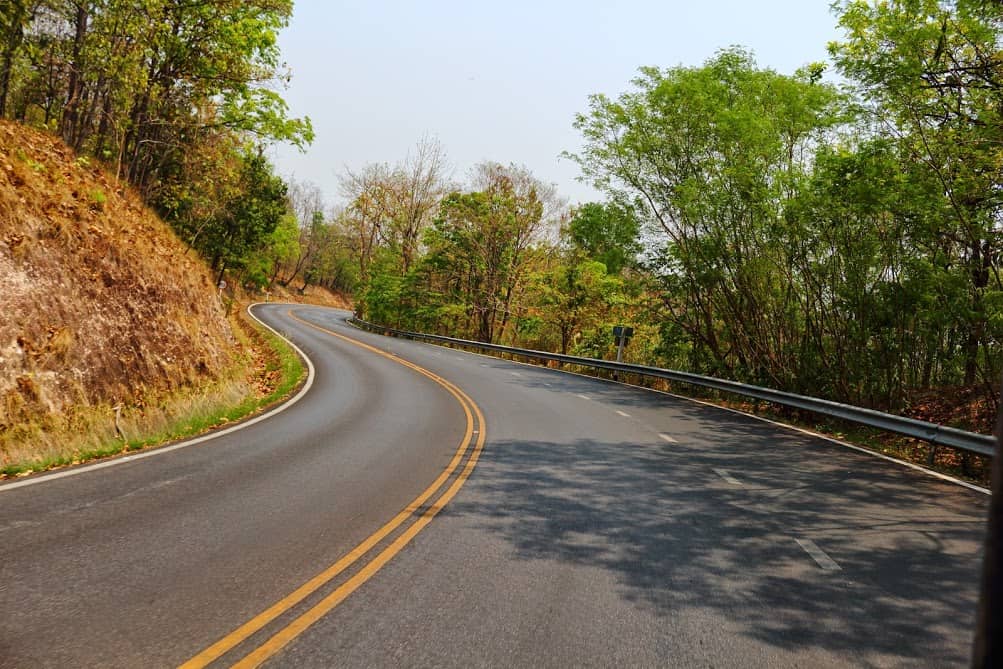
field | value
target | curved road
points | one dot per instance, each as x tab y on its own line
421	506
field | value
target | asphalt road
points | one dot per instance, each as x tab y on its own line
601	525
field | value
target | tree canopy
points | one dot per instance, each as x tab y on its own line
841	241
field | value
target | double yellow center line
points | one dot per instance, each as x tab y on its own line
474	434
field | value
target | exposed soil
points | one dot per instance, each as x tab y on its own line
99	301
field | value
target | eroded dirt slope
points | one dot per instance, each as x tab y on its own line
99	300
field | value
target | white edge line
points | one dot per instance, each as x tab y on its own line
667	438
861	449
43	478
623	413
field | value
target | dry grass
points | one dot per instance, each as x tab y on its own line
101	304
266	370
90	431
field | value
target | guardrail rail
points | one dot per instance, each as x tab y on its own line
936	435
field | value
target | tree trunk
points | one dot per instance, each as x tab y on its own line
75	88
565	338
484	326
10	48
981	258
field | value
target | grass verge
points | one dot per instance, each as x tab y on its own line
265	371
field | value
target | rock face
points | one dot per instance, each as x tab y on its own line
99	300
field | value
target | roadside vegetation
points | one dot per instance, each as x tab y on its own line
837	241
841	241
265	370
133	181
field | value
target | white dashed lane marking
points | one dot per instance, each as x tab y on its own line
723	473
819	555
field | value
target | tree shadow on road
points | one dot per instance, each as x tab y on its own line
678	535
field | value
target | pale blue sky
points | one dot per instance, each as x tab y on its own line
503	81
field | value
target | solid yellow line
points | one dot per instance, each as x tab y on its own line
237	636
322	608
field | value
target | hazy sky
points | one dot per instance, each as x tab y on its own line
503	80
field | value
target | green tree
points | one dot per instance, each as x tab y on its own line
710	155
334	266
576	295
13	23
471	247
143	83
256	205
307	203
278	248
875	286
607	233
930	76
479	248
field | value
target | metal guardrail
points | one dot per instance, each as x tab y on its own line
937	435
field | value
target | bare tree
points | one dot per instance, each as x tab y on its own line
368	212
419	185
540	212
391	206
307	203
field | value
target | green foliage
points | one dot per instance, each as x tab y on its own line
229	223
470	251
930	74
474	263
711	155
98	198
882	283
576	296
144	83
607	233
760	226
330	264
263	113
277	248
382	298
811	241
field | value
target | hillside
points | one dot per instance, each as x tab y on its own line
101	303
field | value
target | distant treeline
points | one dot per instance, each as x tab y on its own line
777	229
840	241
